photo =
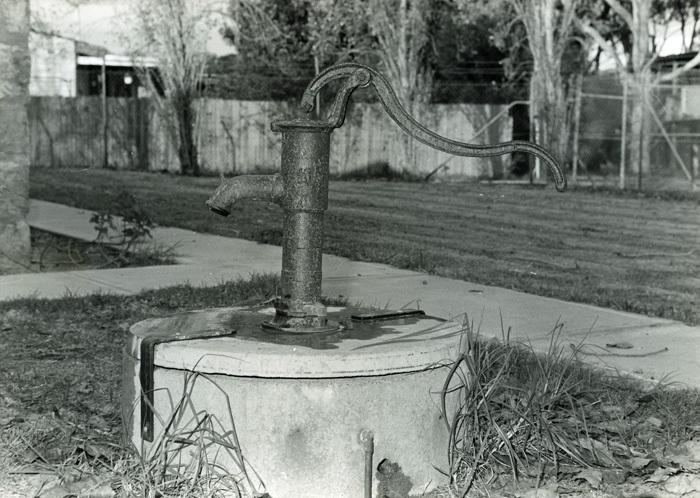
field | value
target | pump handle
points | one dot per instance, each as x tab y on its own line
362	76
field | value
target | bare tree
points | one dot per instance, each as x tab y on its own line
174	32
636	72
401	30
14	153
687	14
549	25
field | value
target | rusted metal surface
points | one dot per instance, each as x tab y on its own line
302	187
377	316
366	438
268	188
305	158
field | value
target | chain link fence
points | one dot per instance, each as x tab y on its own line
602	142
600	112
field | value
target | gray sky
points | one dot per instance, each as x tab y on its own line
110	23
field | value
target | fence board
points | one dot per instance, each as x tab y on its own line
234	136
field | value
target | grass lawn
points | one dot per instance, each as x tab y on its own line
60	377
628	251
60	393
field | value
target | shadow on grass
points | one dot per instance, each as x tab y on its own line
379	171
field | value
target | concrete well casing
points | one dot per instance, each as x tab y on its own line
298	410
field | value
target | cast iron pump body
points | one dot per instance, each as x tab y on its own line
301	188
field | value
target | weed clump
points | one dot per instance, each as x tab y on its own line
513	412
196	453
123	230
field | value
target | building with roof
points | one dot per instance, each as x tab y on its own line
66	67
683	94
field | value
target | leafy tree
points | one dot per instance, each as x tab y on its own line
549	26
403	40
296	38
480	46
637	70
337	31
541	58
271	35
288	41
468	61
402	34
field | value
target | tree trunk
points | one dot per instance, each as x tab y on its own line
548	24
639	124
401	29
14	144
640	83
187	145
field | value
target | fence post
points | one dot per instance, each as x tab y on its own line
577	125
534	136
670	142
105	138
623	135
642	135
693	159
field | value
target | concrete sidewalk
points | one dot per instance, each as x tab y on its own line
660	347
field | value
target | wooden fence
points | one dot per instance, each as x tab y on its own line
234	136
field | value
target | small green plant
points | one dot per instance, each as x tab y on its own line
135	224
123	229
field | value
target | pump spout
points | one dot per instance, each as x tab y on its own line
268	188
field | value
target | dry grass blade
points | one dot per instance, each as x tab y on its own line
195	454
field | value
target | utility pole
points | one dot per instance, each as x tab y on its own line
640	157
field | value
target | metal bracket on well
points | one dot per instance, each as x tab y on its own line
376	316
147	366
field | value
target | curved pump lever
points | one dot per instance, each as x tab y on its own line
361	76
